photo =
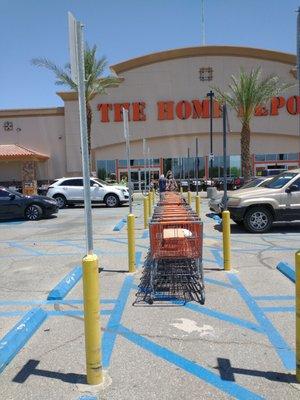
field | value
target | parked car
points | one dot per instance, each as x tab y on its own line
233	183
69	191
216	205
16	205
278	200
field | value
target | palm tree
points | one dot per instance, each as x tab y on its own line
248	92
95	83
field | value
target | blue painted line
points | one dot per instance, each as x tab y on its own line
217	282
120	225
124	242
276	297
217	256
286	355
12	223
110	333
40	302
16	338
27	249
287	270
138	259
191	367
278	309
11	313
224	317
61	313
145	234
64	286
88	398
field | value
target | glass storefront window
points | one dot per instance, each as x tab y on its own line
271	157
105	168
260	157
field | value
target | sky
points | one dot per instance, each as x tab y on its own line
123	30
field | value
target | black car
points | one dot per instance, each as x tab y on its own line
16	205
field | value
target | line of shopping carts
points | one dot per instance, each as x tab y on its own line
174	264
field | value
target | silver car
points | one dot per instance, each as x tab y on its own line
215	203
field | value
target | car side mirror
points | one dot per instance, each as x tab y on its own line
11	196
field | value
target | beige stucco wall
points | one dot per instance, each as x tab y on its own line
43	134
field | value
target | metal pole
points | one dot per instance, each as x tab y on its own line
197	167
145	167
211	162
84	140
225	155
298	64
126	135
188	168
148	154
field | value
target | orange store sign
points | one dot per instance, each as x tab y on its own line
189	109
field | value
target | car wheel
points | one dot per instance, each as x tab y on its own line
33	212
111	200
61	200
258	220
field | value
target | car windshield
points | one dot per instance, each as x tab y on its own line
251	184
281	180
102	182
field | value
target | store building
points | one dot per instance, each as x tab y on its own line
166	95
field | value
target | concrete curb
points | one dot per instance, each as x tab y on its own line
287	270
16	338
64	286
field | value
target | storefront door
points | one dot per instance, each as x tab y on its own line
138	177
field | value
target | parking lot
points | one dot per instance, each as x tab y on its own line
240	344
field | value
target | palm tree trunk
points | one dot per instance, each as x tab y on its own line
89	116
245	152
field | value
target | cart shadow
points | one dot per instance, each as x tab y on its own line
227	373
30	368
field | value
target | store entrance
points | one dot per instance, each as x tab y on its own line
138	177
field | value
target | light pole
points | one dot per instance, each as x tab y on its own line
211	160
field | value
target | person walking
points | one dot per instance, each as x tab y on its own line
162	183
171	182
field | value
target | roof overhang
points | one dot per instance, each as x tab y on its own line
13	152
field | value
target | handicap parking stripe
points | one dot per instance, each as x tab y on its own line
231	388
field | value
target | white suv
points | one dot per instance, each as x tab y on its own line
69	191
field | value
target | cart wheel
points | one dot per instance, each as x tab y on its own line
150	301
202	296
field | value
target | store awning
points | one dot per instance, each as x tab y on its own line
14	152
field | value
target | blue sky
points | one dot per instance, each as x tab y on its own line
126	29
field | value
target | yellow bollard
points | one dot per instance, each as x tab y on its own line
131	243
226	239
297	270
92	329
189	197
150	204
146	211
153	197
181	189
198	205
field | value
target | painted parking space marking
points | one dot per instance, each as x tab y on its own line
110	333
231	388
285	353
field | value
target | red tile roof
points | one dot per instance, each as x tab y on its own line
16	152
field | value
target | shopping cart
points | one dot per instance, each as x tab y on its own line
176	243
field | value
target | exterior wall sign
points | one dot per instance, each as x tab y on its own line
189	109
